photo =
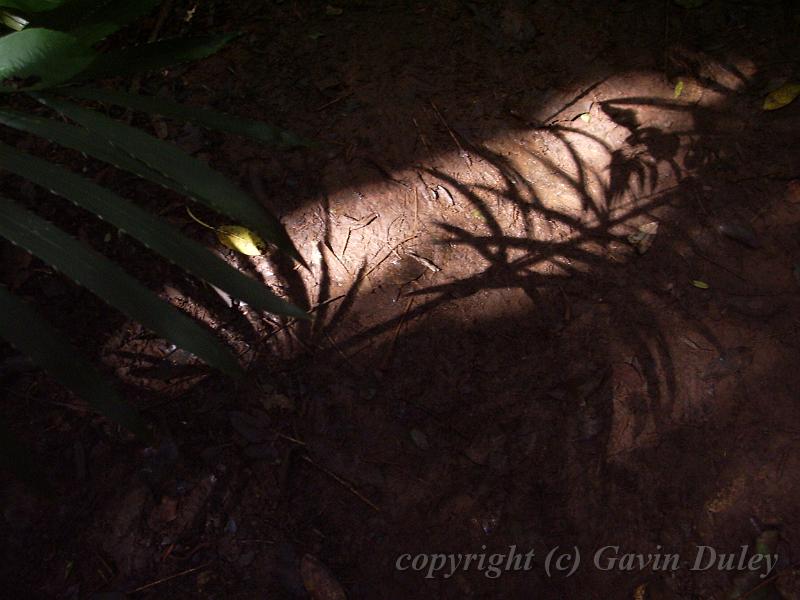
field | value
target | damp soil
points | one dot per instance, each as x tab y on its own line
553	273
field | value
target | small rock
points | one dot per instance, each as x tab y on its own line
420	439
489	523
740	233
590	423
231	527
643	237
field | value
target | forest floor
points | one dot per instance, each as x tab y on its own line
553	265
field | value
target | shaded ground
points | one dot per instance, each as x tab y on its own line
492	362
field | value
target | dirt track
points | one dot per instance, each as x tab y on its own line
492	361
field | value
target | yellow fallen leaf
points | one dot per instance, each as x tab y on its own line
782	96
319	581
700	284
241	239
235	237
678	88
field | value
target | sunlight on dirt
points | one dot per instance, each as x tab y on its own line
553	287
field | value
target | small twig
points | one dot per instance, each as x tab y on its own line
339	260
385	172
334	101
103	562
343	483
165	579
425	262
162	18
400	218
388	254
293	320
720	265
461	150
350	230
549	120
166	554
341	352
305	346
346	241
324	302
291	439
216	230
416	209
422	137
390	351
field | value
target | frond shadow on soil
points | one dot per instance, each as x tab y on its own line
534	375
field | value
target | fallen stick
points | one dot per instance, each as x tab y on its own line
165	579
343	483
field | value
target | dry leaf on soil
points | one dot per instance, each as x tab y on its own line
781	97
318	580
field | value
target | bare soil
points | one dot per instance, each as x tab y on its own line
494	360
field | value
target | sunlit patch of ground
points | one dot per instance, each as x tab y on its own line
499	354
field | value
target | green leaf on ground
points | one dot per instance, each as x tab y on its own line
192	177
17	459
78	138
153	232
21	326
154	56
207	118
110	283
39	58
92	20
32	6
